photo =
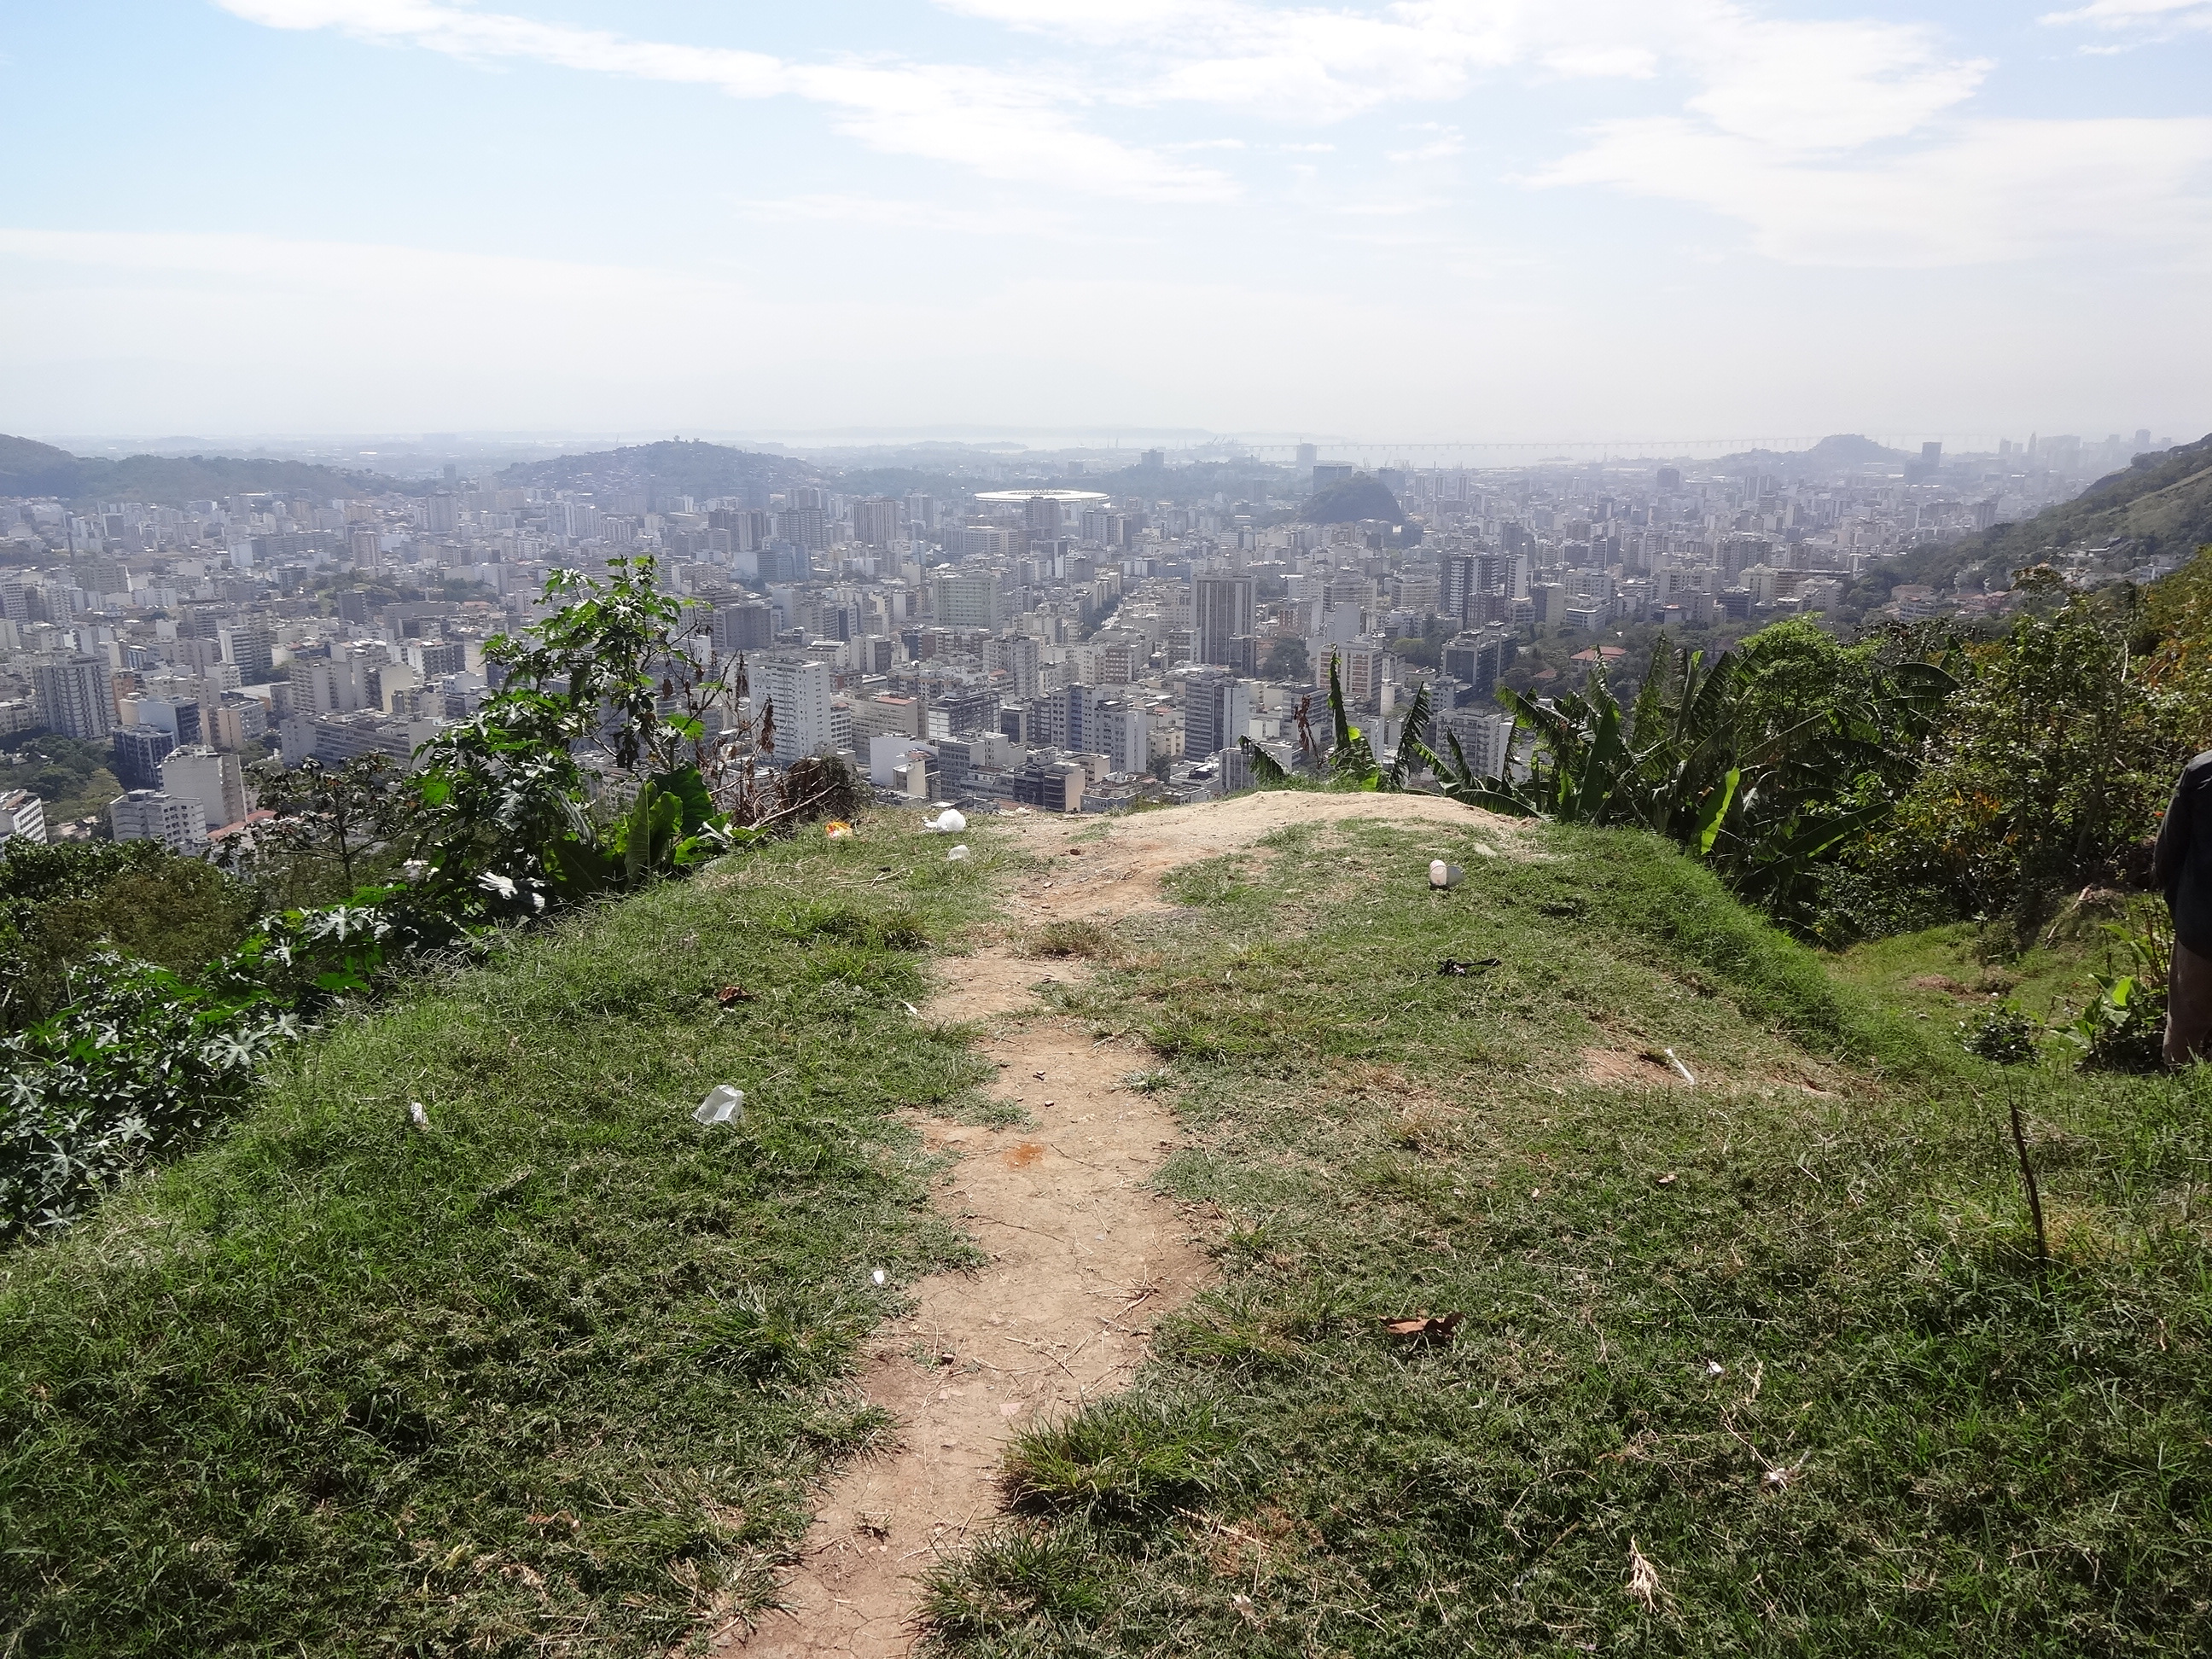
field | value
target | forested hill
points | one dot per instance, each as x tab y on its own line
1832	453
1350	500
2163	502
695	469
29	468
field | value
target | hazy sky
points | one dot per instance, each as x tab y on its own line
1436	219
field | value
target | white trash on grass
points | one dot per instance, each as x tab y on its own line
951	822
958	855
723	1104
416	1116
1445	875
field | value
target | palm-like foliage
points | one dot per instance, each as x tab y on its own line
1756	763
1762	786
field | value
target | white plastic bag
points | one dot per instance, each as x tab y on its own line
958	855
951	822
723	1104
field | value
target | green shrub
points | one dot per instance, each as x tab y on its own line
138	1063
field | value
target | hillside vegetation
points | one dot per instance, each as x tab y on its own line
1764	1366
551	1373
694	468
2162	501
28	468
1359	496
550	1369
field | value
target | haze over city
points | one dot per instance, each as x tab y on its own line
1584	221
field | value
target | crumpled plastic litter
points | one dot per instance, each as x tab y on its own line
1445	875
723	1104
838	829
879	1275
958	855
416	1116
951	822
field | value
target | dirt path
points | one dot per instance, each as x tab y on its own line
1083	1257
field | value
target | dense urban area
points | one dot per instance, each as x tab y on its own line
1063	631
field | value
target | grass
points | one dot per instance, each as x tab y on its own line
555	1374
552	1375
1780	1337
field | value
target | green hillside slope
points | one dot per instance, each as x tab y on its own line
1362	496
28	468
554	1376
695	469
2163	502
543	1376
1779	1338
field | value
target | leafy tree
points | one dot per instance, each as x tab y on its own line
1420	650
1287	661
70	774
2050	769
64	904
617	749
339	812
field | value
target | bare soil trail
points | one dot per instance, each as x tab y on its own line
1083	1255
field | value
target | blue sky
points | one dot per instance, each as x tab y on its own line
1448	219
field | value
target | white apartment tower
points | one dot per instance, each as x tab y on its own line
799	689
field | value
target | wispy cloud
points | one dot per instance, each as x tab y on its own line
1002	127
1985	190
1825	136
2152	16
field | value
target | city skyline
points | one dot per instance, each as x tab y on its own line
1416	221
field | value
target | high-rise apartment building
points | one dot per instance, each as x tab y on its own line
742	625
1041	517
149	815
967	600
804	526
797	688
75	697
251	645
136	753
1221	611
209	778
1479	659
876	521
22	818
1217	710
1121	730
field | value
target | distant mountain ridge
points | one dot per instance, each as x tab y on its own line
30	468
678	467
1840	449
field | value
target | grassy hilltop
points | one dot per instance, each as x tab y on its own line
554	1375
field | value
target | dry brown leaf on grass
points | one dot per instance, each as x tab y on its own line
1423	1329
1643	1578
